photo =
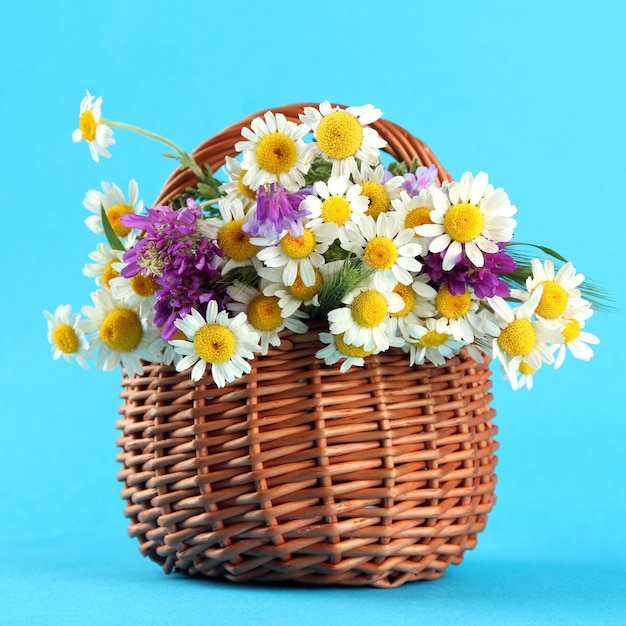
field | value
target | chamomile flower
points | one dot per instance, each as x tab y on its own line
364	321
66	335
264	314
418	299
575	340
217	341
520	374
429	341
335	201
379	192
274	152
232	240
561	296
122	334
102	270
337	349
115	205
300	255
415	211
469	218
343	135
389	250
292	297
459	311
98	136
235	187
520	337
134	289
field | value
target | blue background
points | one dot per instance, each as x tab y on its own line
531	92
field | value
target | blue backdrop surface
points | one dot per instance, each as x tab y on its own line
532	93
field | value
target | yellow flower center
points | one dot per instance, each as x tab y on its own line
108	273
369	309
143	286
407	294
121	329
378	197
234	242
215	343
463	222
339	135
301	291
526	369
244	189
276	153
114	215
518	338
380	253
264	313
571	330
452	306
553	300
336	209
298	247
417	217
65	339
432	339
350	350
87	124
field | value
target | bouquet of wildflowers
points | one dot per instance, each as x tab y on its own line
309	223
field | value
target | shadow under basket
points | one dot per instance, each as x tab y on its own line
377	476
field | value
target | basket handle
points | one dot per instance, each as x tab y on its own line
401	146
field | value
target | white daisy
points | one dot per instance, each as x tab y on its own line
112	200
102	270
429	341
337	349
235	187
343	135
218	341
98	136
292	297
459	311
66	335
379	192
264	314
520	337
300	255
232	240
415	211
335	201
122	334
520	374
364	321
469	218
389	250
418	299
575	339
274	152
134	289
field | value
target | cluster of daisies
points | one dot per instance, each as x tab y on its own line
310	224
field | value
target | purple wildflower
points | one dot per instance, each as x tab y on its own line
276	211
414	183
183	262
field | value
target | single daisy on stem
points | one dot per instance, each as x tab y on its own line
91	128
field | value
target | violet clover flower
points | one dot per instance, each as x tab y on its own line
276	211
424	176
183	262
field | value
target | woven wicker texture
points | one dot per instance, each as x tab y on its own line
377	476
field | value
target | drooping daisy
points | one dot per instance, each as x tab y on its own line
274	152
575	339
520	374
468	219
520	337
418	299
102	270
389	250
264	314
429	341
66	335
337	349
300	255
122	334
98	136
343	135
217	341
232	240
112	200
235	187
336	201
561	296
364	321
379	189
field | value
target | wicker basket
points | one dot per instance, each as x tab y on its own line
377	476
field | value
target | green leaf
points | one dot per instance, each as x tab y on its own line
112	238
544	249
